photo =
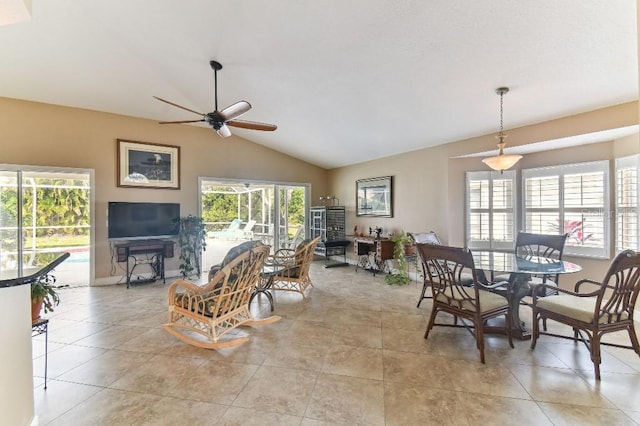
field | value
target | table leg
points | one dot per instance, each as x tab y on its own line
517	289
265	289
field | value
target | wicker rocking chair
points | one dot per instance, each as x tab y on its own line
294	264
200	316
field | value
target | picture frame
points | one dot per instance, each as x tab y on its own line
148	165
374	197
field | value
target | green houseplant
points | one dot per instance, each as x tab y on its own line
192	240
400	277
44	293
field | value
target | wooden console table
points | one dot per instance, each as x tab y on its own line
382	249
158	249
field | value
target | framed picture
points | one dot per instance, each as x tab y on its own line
148	165
374	197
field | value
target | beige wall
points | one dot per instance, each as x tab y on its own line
48	135
429	184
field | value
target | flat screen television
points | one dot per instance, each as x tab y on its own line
142	220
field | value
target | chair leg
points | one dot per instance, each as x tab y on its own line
480	340
595	354
544	324
424	290
432	320
508	328
535	329
634	338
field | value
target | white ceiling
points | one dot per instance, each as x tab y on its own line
345	81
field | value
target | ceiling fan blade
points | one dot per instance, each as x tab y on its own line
181	121
252	125
178	106
235	110
224	131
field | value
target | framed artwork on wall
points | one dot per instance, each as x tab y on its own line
148	165
374	197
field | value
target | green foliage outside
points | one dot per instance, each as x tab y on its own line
62	217
222	207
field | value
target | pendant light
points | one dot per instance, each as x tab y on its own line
501	162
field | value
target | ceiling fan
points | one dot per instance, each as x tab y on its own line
220	120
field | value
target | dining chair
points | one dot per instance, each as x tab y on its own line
475	303
607	308
431	238
424	238
540	245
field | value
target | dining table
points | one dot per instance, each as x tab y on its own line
520	270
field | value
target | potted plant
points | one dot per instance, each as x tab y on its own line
192	240
44	293
401	242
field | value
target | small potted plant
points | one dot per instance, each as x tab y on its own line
44	293
401	241
192	240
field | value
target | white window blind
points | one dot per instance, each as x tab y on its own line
570	199
627	235
490	209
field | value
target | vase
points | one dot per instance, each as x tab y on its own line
36	308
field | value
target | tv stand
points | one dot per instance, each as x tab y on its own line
154	251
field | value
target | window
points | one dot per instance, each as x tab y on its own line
490	215
571	199
627	235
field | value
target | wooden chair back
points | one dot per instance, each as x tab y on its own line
445	267
619	291
544	245
541	245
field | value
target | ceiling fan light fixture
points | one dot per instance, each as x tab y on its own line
501	162
219	120
224	131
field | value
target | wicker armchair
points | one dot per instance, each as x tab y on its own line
200	316
295	265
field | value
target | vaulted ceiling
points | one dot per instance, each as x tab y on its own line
345	81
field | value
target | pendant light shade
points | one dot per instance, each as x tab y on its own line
501	162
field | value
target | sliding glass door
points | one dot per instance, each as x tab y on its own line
235	211
44	213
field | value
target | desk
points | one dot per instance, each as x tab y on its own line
520	269
158	249
382	249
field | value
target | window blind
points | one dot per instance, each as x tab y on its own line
490	210
626	213
570	199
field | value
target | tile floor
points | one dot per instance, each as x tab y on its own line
352	352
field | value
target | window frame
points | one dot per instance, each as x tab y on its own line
491	244
561	171
628	162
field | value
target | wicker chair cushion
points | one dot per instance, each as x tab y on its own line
488	301
578	308
208	303
232	254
